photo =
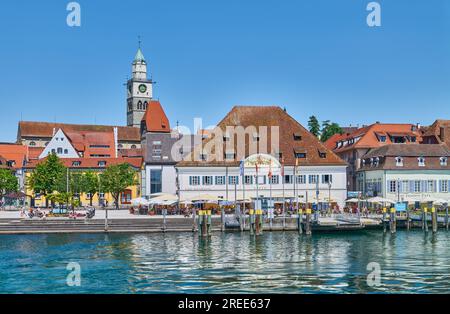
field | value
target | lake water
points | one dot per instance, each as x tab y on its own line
410	262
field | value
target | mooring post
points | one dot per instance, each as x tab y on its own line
384	219
222	219
208	222
194	219
164	220
446	217
259	221
300	220
408	220
425	219
393	221
434	222
252	221
308	221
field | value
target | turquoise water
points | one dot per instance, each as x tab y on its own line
227	263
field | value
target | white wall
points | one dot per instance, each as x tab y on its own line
60	140
168	179
338	188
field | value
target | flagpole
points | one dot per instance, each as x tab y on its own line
243	195
271	207
284	197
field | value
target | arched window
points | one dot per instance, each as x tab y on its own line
399	161
145	105
32	143
139	105
133	146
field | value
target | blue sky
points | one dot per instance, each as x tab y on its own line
313	57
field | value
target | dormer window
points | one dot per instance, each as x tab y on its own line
443	161
421	161
297	137
322	154
376	161
76	163
101	163
383	138
399	161
300	153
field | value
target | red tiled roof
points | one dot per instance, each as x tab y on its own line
90	163
268	116
45	129
34	152
93	143
155	118
369	136
14	152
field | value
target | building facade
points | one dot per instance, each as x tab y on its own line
406	172
309	171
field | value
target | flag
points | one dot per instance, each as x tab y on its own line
270	170
241	168
282	167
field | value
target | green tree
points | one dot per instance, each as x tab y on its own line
90	184
48	177
314	126
329	129
116	178
8	182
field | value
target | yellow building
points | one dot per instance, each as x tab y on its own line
96	165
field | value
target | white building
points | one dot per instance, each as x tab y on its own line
214	166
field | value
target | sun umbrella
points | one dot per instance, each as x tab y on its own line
353	200
139	201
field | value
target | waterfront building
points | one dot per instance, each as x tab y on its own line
406	172
96	165
351	147
14	157
310	171
162	148
39	134
438	133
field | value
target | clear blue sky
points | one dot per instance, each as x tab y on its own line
313	56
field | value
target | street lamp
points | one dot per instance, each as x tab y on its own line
329	196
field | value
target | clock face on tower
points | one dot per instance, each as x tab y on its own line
142	88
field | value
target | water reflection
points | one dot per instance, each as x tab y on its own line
277	262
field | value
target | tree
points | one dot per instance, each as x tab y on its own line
48	177
329	129
8	182
116	178
314	126
90	184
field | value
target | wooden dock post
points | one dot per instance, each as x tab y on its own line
425	219
308	221
222	219
258	221
446	217
252	221
194	219
204	220
408	220
300	220
384	219
393	221
434	220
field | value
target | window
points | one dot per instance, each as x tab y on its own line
431	186
404	186
66	151
313	179
229	156
76	163
99	146
155	181
301	179
383	138
60	150
53	151
233	180
139	105
133	146
145	105
194	180
274	179
417	186
261	180
120	146
297	137
322	154
32	143
421	161
300	155
156	150
413	139
207	180
102	163
327	178
288	179
443	161
220	180
248	180
399	161
392	186
376	161
443	186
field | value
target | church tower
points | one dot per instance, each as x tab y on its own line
139	91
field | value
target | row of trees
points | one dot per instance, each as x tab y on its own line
324	132
57	184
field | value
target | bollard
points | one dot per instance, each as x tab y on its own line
252	221
258	221
434	217
308	222
408	220
384	219
204	223
300	220
393	221
425	219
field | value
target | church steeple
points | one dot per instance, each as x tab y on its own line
139	89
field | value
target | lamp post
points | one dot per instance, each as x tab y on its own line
329	196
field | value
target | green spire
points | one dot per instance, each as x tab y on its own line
139	56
